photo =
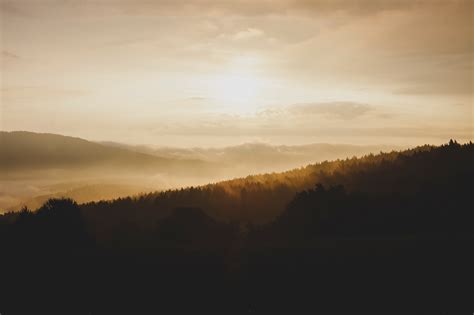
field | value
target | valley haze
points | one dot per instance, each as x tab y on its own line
35	167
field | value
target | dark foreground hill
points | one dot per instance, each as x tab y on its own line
385	232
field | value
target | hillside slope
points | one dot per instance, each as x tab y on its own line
391	229
23	151
260	199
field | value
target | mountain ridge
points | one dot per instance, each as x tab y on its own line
23	150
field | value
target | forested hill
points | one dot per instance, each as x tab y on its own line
261	198
387	229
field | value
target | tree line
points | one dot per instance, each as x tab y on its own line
399	222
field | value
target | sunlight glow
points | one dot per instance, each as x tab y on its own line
239	87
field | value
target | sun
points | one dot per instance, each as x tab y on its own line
239	87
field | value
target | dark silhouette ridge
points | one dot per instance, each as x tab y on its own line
392	230
261	198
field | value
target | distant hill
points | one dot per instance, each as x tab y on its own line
261	157
28	151
22	151
32	165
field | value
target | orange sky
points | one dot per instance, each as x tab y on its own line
213	73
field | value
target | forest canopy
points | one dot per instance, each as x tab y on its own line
384	220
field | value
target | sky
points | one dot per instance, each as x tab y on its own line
216	73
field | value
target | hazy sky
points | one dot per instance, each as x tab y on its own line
213	73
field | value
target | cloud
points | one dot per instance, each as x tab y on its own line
245	127
9	55
198	98
340	110
10	8
35	93
248	34
425	50
331	110
318	118
249	8
7	59
399	53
